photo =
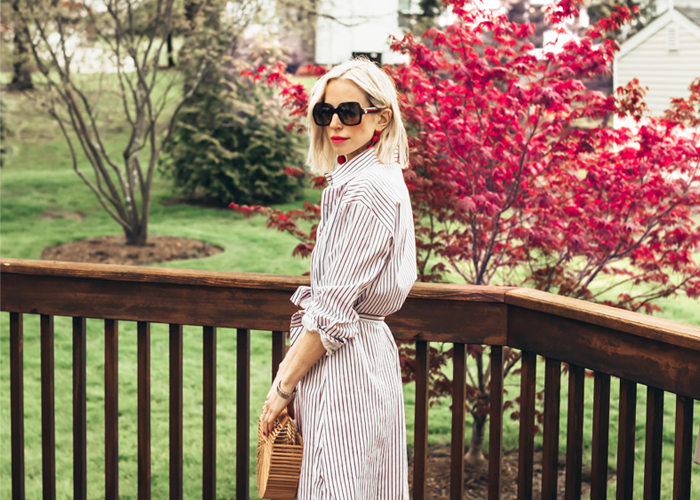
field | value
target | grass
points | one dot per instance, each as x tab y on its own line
40	196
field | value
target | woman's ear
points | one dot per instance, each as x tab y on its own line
384	118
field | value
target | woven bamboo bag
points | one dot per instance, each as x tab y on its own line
279	460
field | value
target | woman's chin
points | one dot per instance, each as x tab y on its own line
342	149
348	151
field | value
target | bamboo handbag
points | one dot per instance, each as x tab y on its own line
279	460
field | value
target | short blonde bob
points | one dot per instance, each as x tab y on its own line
381	93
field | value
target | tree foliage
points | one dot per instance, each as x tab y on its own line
230	141
505	176
515	179
644	12
233	144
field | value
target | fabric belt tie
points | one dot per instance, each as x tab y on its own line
369	317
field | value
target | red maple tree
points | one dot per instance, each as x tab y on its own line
516	179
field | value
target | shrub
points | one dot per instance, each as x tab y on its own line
232	144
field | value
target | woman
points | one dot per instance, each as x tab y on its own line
343	363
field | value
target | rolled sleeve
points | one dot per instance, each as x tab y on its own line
360	248
302	296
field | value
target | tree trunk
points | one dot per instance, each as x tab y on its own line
137	237
171	61
22	76
475	454
191	9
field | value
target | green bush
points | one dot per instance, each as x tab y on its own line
232	144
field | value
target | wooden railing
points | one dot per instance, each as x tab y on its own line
663	355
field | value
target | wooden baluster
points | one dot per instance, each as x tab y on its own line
17	404
242	414
496	424
111	409
209	411
48	410
654	443
574	433
176	492
420	434
550	440
625	440
459	396
278	351
683	454
601	431
144	409
526	448
79	411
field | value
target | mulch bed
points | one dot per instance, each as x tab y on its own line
114	250
476	478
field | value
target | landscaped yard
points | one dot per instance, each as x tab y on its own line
44	203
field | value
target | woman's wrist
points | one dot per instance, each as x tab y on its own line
285	393
285	386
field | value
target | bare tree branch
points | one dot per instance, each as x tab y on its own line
98	192
121	187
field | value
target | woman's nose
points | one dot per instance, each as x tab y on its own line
335	122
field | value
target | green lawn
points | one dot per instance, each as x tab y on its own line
40	196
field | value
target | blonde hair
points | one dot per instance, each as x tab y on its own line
381	92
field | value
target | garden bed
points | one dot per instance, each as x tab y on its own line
437	476
114	250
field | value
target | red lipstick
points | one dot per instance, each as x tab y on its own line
336	139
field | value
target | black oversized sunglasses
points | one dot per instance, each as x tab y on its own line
350	113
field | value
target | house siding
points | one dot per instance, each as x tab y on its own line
348	26
667	73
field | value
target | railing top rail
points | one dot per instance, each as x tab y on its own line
641	325
666	331
258	281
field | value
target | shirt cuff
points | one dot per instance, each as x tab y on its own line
331	345
302	296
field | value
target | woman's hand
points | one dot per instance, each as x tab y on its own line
273	407
271	395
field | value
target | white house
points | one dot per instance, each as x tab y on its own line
348	27
664	56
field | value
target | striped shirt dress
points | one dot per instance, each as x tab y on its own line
349	405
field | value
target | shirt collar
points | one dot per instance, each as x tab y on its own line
348	171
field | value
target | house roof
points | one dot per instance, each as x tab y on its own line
691	13
687	17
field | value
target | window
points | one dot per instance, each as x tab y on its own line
375	57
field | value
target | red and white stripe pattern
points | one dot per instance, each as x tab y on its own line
350	404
